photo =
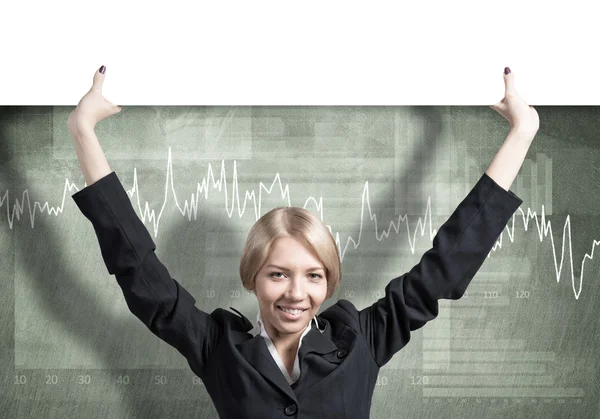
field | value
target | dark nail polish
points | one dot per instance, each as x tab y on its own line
102	69
506	70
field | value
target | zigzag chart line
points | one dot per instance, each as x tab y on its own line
190	208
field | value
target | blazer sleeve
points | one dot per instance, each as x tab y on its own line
460	247
158	300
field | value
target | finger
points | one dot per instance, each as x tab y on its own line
498	106
509	80
99	79
113	108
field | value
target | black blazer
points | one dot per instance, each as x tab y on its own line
339	366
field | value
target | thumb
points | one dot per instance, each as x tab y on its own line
509	80
98	79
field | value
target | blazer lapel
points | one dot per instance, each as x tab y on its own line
255	351
317	341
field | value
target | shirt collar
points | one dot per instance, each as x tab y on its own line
259	328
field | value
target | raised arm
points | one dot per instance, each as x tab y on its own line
524	123
460	246
91	109
158	300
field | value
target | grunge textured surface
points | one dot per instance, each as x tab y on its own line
522	343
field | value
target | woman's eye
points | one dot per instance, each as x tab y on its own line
273	275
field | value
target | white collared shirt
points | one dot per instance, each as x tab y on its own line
259	328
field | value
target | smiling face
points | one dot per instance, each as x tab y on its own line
288	280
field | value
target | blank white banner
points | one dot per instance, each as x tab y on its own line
299	53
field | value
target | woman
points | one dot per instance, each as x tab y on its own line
293	362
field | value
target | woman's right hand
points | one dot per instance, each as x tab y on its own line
93	107
520	116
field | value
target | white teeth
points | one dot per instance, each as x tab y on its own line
294	312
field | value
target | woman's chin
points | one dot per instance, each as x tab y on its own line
289	327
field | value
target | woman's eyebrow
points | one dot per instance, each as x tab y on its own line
316	268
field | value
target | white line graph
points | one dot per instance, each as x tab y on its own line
189	208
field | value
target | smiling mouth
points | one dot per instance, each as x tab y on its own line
294	312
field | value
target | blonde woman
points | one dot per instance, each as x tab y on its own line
294	362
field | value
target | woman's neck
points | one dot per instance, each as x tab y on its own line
283	342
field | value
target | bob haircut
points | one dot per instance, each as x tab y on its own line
300	224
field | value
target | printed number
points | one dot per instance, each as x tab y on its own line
197	381
490	294
235	293
160	379
51	379
210	293
522	294
123	379
378	294
349	294
20	379
419	380
84	379
382	381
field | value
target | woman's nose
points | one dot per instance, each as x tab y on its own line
297	288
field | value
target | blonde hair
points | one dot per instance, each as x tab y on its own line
298	223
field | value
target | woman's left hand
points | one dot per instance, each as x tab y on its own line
522	117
